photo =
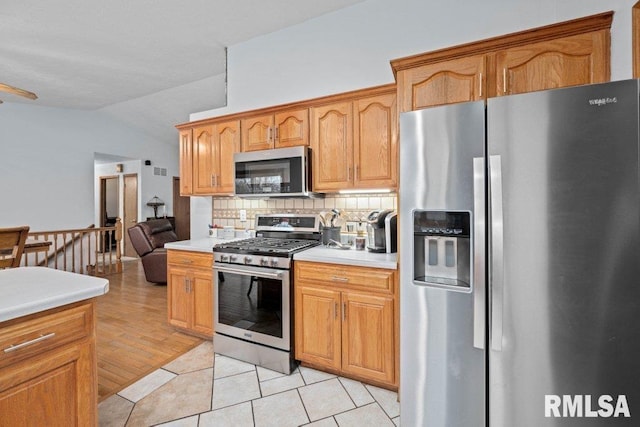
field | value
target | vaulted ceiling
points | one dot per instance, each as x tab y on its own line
146	62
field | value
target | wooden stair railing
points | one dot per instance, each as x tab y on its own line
93	250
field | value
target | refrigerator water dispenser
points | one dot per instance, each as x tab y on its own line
442	248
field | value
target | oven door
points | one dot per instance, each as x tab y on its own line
253	304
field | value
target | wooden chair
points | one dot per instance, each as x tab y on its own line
12	245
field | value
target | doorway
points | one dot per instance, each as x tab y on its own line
109	207
130	209
181	212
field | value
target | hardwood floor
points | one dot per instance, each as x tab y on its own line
133	336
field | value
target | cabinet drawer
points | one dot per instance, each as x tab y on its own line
190	259
349	276
35	334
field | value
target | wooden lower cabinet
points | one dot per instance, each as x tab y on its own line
318	326
54	380
343	327
367	336
190	291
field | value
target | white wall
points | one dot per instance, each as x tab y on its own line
47	164
351	48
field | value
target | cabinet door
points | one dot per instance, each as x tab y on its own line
186	163
367	336
257	133
201	289
204	155
568	61
317	326
447	82
179	300
375	142
56	388
291	128
228	143
332	146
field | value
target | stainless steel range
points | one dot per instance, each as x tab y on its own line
253	290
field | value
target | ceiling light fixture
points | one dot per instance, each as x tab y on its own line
17	91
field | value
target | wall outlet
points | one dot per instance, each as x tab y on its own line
243	215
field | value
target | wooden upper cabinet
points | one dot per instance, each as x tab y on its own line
354	142
457	80
375	149
568	61
332	146
203	159
291	128
228	138
279	130
186	162
214	146
257	133
565	54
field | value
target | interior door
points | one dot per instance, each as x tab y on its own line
130	211
109	206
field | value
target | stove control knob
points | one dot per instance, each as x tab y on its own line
224	258
274	262
264	261
233	258
247	260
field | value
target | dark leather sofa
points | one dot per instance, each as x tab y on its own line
148	239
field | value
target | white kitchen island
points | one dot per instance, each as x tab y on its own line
28	290
48	368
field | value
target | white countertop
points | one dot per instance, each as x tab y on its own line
348	257
28	290
204	244
317	254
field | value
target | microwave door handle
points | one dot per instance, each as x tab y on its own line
268	275
496	266
479	280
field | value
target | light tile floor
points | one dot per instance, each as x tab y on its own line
201	388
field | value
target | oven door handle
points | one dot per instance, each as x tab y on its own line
268	275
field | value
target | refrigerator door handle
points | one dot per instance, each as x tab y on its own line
496	266
479	222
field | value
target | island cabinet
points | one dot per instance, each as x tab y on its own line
213	148
48	371
346	321
354	142
190	291
566	54
288	128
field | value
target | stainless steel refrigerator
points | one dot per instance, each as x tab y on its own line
520	260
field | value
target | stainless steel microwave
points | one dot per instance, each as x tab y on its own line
281	172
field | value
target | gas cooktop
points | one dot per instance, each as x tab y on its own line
266	246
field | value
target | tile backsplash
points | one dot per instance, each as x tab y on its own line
354	207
